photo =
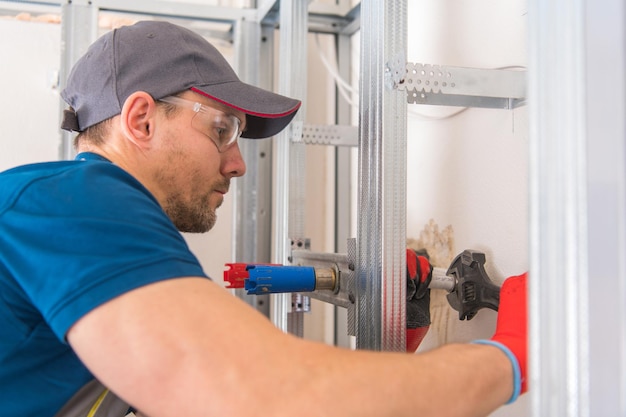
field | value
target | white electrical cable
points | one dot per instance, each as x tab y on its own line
345	89
428	118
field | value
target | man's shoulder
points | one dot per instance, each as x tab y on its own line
63	179
24	175
37	168
44	170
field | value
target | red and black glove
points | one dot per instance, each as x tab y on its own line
419	273
511	334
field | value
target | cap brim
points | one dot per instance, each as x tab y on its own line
267	113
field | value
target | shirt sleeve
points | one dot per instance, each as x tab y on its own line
89	234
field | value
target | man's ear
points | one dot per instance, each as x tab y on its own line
138	117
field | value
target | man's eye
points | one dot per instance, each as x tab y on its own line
221	132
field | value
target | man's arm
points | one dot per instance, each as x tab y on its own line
186	347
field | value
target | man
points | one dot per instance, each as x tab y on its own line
98	288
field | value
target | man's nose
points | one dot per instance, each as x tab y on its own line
233	164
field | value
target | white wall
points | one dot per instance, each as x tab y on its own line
470	172
29	112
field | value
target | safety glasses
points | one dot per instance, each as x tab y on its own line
223	129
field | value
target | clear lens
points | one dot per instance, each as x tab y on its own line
223	129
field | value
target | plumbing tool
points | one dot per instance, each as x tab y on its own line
473	289
468	285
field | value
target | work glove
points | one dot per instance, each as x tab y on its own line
419	273
512	330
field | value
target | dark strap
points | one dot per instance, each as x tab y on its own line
70	121
94	400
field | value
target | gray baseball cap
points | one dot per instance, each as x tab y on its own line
162	59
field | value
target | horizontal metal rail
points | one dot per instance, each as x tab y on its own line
467	87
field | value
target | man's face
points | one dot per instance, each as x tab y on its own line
194	175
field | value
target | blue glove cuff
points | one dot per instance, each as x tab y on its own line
517	374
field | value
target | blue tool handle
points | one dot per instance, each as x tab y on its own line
271	279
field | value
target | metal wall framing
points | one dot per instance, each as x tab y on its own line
79	26
252	203
381	234
578	208
287	219
343	172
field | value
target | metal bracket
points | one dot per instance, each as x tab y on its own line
300	243
395	71
300	303
296	131
339	262
330	135
467	87
344	265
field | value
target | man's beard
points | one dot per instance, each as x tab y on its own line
191	217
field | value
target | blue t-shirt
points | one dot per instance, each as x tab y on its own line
73	235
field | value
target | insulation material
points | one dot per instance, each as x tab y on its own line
446	326
440	247
27	17
105	21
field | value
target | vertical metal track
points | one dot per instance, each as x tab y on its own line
381	235
252	202
558	239
578	211
343	181
605	25
292	64
79	29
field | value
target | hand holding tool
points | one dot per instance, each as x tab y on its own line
419	274
511	334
